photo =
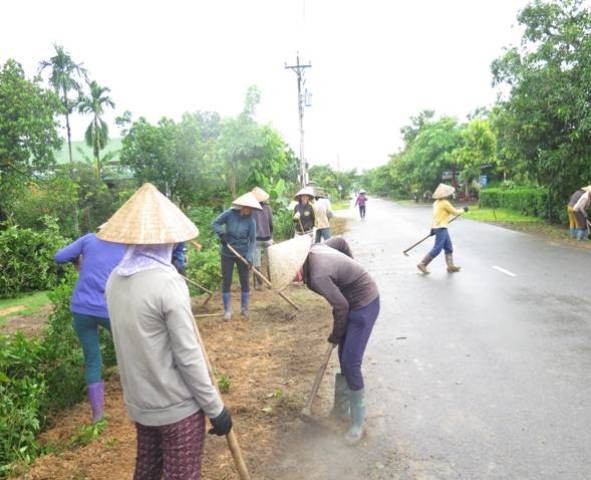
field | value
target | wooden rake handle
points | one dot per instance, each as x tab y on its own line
262	277
405	252
307	410
231	435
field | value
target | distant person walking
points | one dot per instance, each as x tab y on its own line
303	213
236	227
323	214
167	389
95	259
580	208
443	210
361	201
264	232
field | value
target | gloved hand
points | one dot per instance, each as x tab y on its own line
432	232
221	424
249	264
466	209
297	216
334	338
223	240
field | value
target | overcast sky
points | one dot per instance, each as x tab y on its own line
374	62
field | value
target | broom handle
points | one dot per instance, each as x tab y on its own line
231	435
423	239
262	277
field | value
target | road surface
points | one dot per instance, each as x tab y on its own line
484	374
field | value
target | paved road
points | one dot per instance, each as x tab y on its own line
485	374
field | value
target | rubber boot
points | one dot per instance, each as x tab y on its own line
581	233
342	404
96	397
244	299
449	259
573	232
356	431
423	265
227	298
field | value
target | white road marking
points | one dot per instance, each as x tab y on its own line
502	270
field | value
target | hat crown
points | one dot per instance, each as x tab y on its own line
247	200
305	191
260	194
148	218
443	191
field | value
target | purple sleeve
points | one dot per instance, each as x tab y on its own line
70	253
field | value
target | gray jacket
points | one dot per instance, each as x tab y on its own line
264	220
331	272
162	366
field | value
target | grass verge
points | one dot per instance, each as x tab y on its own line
24	305
500	215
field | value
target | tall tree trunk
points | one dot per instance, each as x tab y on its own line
69	134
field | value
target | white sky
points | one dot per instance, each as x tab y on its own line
374	62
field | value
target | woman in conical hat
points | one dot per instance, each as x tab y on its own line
236	227
329	270
443	211
580	208
166	386
303	212
264	231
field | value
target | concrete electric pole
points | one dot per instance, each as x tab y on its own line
299	68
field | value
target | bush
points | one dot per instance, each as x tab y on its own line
38	377
531	201
283	227
26	258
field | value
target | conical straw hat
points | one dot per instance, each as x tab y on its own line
305	191
260	194
148	218
247	200
587	188
286	258
443	191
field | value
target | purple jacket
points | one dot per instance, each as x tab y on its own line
99	259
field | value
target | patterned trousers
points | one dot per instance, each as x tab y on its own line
173	450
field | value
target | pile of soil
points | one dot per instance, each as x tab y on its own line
270	360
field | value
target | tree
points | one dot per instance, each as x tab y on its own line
65	78
546	115
97	133
28	130
477	150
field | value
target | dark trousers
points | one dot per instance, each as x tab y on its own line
322	233
362	211
173	450
228	271
442	242
87	329
360	323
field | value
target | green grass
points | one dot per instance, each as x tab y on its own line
500	215
340	204
32	303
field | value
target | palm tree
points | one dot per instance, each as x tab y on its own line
65	76
97	133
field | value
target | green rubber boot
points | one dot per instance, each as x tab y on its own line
341	407
357	430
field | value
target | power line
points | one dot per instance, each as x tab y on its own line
299	69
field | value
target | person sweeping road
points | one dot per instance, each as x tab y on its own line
329	270
580	207
303	213
443	211
322	213
360	201
236	227
167	389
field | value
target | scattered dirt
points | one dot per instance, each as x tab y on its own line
270	359
29	325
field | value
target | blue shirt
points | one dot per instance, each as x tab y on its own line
240	233
99	258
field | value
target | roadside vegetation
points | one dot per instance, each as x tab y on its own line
531	144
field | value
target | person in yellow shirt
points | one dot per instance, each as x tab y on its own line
443	211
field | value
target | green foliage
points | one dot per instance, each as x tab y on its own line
545	119
87	433
224	383
39	376
532	201
330	180
26	258
283	226
28	130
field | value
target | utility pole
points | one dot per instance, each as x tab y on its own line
299	68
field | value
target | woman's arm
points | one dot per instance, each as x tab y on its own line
70	253
221	219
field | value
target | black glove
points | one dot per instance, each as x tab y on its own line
221	424
223	240
466	209
250	266
432	232
334	338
